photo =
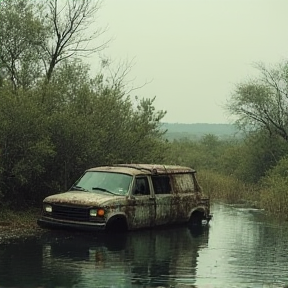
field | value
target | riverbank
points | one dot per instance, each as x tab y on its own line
231	190
14	225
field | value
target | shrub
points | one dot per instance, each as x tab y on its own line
274	193
226	188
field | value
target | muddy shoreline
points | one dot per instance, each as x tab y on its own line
8	235
10	230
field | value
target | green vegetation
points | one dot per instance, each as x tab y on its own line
61	120
252	168
249	171
274	193
56	119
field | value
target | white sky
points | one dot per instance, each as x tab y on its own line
194	51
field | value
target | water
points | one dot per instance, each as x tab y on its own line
241	248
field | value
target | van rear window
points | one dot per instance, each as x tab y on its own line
183	183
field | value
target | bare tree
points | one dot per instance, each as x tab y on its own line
36	35
70	36
262	103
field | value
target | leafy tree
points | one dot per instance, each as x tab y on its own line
21	33
255	157
211	146
25	145
84	122
57	121
184	152
262	103
205	153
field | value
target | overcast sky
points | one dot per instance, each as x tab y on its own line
193	52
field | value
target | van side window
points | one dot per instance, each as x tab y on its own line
141	186
161	184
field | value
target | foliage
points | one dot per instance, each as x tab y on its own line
251	158
83	122
21	35
57	120
230	170
262	103
274	195
261	106
206	153
36	37
24	142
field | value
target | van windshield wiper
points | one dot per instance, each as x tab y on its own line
103	189
79	188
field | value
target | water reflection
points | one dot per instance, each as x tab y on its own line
241	248
244	248
139	259
16	269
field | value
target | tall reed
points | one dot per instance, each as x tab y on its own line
227	188
274	198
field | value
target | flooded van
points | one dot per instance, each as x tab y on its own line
127	197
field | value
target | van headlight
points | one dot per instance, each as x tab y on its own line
47	208
97	212
93	212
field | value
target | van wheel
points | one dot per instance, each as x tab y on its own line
117	225
196	219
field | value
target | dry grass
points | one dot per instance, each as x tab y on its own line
275	200
228	189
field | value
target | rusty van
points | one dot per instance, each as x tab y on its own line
124	197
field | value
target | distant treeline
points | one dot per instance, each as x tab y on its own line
197	130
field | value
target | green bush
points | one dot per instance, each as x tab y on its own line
274	192
48	138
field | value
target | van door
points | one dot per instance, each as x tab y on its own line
142	204
163	199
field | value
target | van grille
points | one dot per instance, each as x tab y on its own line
70	213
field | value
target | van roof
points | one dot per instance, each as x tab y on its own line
135	169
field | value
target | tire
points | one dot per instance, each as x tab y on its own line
117	225
196	219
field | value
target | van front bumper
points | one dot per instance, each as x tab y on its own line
47	222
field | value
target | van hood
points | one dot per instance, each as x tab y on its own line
83	198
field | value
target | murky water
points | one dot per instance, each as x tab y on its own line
241	248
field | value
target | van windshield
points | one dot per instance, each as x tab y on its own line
103	182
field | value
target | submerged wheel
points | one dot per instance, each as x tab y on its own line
117	224
196	219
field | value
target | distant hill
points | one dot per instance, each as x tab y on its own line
198	130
